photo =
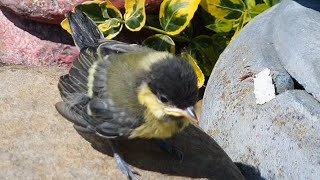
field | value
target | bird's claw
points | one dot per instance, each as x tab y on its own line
125	168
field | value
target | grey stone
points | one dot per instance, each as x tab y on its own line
296	34
280	138
37	143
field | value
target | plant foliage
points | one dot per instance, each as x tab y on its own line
198	29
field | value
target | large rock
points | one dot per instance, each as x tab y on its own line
41	10
281	138
24	40
53	11
295	39
37	143
29	43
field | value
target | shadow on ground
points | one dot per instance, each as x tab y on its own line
249	172
203	158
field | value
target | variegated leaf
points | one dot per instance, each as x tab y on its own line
110	11
250	3
271	2
110	28
92	9
135	16
230	10
220	26
160	42
65	25
256	10
185	35
206	50
175	15
196	68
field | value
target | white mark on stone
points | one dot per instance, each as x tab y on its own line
263	87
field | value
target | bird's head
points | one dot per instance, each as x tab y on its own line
170	90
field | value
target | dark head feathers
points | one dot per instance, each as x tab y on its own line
176	80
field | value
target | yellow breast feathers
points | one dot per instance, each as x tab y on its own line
154	126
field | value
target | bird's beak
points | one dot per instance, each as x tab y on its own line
188	113
191	112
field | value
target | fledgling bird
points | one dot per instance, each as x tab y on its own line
124	91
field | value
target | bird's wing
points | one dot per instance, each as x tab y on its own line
83	90
85	100
94	116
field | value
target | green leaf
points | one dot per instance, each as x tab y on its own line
109	10
220	41
185	35
92	9
220	26
231	10
175	15
271	2
135	16
104	14
250	3
256	10
196	68
110	28
206	51
160	42
109	23
206	17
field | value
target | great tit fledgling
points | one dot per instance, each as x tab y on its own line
118	90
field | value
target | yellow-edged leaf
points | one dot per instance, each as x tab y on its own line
104	14
220	26
206	50
256	10
230	10
271	2
241	24
110	28
92	9
109	10
175	15
92	2
160	42
250	3
196	68
65	25
113	32
135	16
108	24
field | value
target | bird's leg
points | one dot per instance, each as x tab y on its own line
122	165
171	149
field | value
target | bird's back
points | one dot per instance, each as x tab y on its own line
85	90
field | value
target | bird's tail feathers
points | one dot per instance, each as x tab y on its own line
85	32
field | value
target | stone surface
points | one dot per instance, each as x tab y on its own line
282	137
41	10
297	29
37	143
52	11
29	43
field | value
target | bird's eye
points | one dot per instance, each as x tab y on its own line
163	98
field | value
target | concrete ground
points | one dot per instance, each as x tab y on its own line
38	143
